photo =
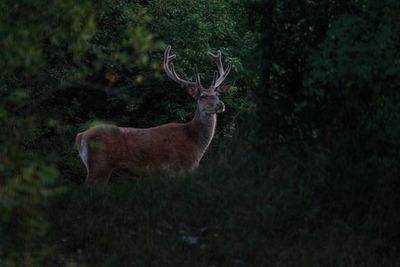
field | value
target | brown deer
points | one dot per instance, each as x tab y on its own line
172	147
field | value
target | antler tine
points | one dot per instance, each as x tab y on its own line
223	77
222	73
214	78
175	77
197	76
167	57
217	59
170	70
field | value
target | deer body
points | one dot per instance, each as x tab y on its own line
172	147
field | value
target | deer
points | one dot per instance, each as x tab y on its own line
167	148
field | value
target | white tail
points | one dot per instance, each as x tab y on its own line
83	152
168	147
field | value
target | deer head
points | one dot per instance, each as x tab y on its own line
207	99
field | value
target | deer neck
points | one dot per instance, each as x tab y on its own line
202	128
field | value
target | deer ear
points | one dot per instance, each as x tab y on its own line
193	92
223	89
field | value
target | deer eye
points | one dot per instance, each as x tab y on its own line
202	96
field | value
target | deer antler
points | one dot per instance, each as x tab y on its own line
222	74
170	70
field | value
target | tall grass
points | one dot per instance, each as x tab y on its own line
238	209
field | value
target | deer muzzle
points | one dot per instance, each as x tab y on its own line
220	107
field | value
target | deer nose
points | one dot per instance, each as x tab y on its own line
221	106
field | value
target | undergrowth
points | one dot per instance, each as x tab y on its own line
235	211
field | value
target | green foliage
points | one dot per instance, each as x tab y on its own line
46	50
24	223
40	30
332	82
329	62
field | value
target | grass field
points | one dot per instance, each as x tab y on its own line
226	214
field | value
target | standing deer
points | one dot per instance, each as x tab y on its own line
171	147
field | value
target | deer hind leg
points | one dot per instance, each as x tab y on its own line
99	170
99	176
96	162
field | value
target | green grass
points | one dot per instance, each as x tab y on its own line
223	215
238	209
